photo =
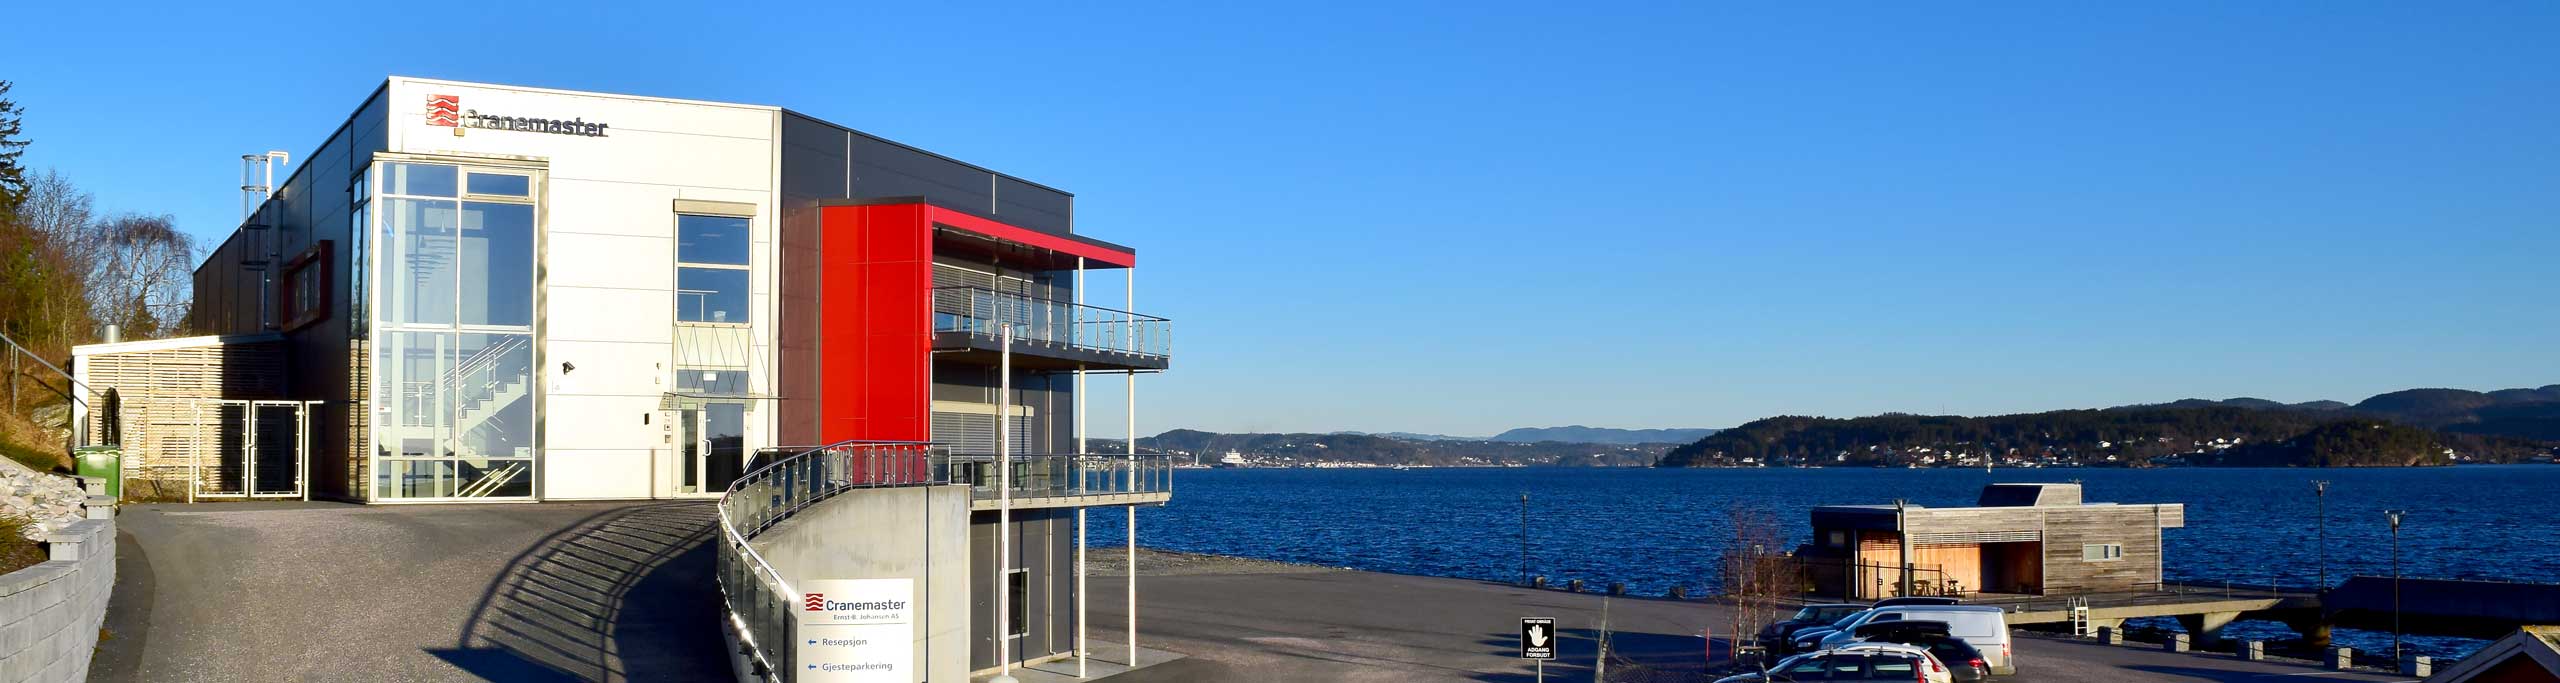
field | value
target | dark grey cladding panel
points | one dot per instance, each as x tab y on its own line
812	159
886	169
814	166
1032	206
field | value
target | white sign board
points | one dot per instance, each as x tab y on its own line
857	631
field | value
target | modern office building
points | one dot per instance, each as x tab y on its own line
476	292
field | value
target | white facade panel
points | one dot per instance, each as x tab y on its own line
604	369
611	261
575	474
608	268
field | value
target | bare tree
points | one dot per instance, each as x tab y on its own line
1759	576
141	272
57	222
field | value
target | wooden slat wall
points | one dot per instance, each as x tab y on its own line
168	399
2066	529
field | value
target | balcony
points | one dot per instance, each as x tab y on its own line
1047	334
1065	480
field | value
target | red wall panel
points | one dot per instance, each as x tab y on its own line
876	325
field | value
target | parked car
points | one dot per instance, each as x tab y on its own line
1779	635
1985	628
1876	662
1964	663
1916	600
1809	638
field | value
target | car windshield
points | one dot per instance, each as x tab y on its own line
1821	613
1843	623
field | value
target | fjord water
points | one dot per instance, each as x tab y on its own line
1653	529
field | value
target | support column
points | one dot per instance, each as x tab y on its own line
1072	331
2207	627
1004	509
1132	442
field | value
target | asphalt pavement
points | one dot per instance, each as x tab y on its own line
1340	625
260	591
624	591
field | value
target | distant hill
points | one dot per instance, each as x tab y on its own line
1582	434
1413	436
2525	413
2128	437
1292	449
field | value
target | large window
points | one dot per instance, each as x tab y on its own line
453	352
711	269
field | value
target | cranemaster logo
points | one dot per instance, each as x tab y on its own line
446	111
814	602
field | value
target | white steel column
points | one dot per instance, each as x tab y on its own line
1132	442
1004	507
1073	330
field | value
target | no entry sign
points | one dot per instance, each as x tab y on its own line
1538	638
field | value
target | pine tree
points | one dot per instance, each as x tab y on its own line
13	175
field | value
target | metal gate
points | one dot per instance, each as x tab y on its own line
262	450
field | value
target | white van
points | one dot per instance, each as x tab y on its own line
1984	628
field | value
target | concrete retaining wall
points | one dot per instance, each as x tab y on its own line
50	613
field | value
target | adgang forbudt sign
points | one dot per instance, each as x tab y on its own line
856	630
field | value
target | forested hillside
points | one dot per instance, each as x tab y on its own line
2132	437
67	269
1305	449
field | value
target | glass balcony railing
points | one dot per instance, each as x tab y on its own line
985	312
1049	476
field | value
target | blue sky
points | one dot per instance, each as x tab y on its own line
1461	219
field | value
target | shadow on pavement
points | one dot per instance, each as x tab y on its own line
1633	658
624	595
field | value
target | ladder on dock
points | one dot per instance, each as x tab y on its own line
2080	617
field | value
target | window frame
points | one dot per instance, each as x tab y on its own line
677	292
390	467
292	291
2101	552
1019	577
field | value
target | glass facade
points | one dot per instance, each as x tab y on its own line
453	342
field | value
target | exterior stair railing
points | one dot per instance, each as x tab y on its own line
760	600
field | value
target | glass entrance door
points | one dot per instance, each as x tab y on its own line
712	447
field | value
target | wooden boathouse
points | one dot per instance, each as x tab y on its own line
2019	539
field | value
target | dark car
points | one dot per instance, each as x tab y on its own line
1916	600
1964	662
1850	665
1779	636
1809	638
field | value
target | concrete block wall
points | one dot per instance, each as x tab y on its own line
50	613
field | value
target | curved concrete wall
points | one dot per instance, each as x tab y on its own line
918	533
50	613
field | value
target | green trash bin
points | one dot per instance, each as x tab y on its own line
103	462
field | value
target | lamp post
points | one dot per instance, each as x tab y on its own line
2394	516
2320	490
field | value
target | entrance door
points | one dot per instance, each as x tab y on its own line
711	447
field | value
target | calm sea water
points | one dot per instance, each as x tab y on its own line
1653	529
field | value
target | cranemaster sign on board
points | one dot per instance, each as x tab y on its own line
857	630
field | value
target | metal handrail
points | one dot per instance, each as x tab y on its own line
760	600
757	597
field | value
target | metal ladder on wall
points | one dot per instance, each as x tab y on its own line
2079	616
